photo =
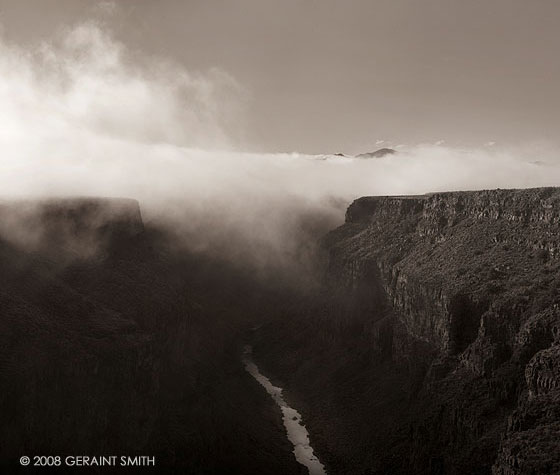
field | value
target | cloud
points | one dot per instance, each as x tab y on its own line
86	81
82	115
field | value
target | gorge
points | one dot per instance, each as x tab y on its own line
430	346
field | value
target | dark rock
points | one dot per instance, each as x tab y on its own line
114	342
447	297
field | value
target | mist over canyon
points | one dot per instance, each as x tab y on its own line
170	290
114	123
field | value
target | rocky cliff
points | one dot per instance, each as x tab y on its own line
447	259
455	297
475	275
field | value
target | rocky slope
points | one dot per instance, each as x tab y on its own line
435	346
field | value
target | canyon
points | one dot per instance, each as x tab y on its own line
431	344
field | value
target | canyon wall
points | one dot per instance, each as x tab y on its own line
452	298
113	342
475	276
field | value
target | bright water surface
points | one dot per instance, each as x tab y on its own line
296	431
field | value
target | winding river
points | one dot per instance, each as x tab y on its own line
295	430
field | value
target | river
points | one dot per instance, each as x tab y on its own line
296	432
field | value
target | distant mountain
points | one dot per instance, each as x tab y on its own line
378	153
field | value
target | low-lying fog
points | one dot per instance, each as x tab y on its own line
83	115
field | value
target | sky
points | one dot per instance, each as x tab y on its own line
223	118
326	76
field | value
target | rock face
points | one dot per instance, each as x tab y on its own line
475	275
454	256
458	293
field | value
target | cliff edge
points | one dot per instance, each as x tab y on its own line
433	346
474	278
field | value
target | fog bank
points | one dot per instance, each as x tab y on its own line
83	115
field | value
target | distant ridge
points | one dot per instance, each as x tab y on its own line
378	153
71	227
